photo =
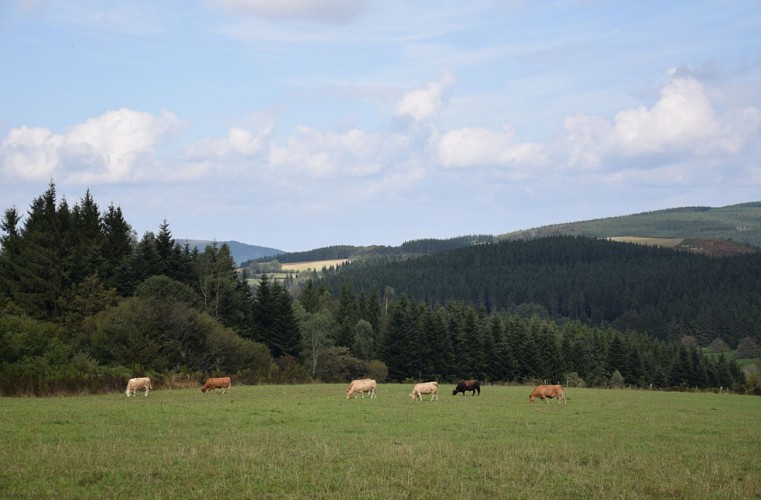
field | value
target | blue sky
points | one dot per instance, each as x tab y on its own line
299	124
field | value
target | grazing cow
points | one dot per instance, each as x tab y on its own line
467	385
223	383
545	392
361	386
135	384
431	388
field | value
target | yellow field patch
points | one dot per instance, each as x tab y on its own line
315	265
659	242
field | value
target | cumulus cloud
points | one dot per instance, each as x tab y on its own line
103	149
321	155
30	153
422	104
239	141
479	147
683	122
682	118
320	11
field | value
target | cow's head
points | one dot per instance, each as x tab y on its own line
531	398
203	389
454	391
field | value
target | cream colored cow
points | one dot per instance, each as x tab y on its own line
360	387
135	384
431	388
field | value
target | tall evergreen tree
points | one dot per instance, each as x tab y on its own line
399	344
40	263
10	254
85	240
117	246
264	310
346	317
285	338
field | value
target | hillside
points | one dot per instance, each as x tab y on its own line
666	293
740	224
241	252
724	231
414	248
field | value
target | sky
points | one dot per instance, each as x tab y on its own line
300	124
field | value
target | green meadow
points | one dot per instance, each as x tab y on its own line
308	441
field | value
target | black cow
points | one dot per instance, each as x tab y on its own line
467	385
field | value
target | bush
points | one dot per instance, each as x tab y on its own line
747	348
337	365
377	370
572	379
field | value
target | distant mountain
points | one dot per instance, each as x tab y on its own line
736	223
414	248
241	252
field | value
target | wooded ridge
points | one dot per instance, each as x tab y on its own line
85	305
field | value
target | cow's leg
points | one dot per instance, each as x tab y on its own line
146	392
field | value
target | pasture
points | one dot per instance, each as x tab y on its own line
315	265
641	240
308	441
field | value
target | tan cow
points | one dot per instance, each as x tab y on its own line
135	384
431	388
224	383
546	392
361	386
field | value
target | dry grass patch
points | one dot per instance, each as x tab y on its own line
315	265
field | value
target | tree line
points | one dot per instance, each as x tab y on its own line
665	293
417	341
85	304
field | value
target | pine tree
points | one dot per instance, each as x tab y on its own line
399	346
117	246
285	339
346	317
85	240
40	263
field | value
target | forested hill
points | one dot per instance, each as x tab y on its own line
241	252
414	248
739	223
659	291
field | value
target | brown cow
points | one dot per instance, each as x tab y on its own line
431	388
545	392
223	383
467	385
361	386
135	384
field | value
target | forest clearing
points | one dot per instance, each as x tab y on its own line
309	441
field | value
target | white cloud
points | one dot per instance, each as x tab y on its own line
102	149
320	155
425	103
682	118
478	147
239	141
30	153
682	123
321	11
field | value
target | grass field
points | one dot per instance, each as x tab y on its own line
315	265
308	441
658	242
